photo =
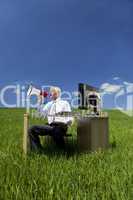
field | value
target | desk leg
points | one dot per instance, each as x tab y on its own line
25	134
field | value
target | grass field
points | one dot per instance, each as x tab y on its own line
65	176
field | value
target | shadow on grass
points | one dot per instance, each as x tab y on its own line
67	152
51	150
71	149
113	145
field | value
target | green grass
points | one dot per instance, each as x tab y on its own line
57	175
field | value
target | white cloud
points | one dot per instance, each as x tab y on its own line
129	87
115	88
110	88
116	78
127	83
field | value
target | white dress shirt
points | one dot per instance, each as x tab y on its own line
50	109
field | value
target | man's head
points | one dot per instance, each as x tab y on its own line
55	92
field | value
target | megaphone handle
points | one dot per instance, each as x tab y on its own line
40	99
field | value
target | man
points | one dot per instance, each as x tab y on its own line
57	125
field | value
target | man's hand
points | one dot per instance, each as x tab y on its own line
40	99
71	122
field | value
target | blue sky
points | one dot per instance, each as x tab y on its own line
63	42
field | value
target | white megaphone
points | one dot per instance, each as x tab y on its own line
34	91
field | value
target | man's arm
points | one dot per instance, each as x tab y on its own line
43	108
67	108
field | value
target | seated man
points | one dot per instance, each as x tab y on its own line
57	125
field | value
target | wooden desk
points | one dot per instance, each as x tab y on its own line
93	133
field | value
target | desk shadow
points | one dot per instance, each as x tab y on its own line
113	145
51	150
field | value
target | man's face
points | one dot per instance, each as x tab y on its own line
54	95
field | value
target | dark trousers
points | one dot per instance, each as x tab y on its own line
55	130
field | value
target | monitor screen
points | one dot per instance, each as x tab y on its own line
88	96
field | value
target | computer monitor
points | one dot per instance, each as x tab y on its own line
89	97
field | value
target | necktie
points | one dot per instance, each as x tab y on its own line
53	111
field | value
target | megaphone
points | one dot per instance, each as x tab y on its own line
35	91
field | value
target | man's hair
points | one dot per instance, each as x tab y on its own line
55	89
